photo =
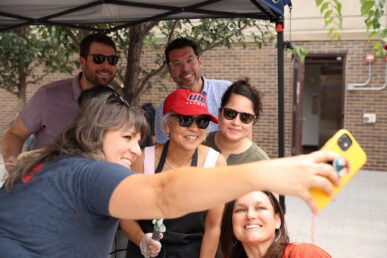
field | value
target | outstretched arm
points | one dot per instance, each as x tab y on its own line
185	190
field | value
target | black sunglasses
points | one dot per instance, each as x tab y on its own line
202	122
114	97
99	59
245	118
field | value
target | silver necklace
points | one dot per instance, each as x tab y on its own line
172	167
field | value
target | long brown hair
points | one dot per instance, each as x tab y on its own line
233	248
83	136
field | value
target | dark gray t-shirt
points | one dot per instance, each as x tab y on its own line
62	211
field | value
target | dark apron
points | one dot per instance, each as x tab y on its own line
183	236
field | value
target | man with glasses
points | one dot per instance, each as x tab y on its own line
54	105
184	64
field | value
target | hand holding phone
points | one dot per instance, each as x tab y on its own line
352	158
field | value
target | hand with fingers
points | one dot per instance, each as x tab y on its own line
297	175
10	163
150	247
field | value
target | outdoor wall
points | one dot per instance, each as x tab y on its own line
260	65
306	22
372	137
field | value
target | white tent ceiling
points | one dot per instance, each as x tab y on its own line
79	13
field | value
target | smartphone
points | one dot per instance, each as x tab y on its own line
352	158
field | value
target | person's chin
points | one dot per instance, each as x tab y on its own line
126	164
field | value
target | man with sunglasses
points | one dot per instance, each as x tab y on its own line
55	104
184	64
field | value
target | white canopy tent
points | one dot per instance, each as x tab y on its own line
78	13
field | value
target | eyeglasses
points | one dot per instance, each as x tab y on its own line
177	65
202	122
114	97
245	118
99	59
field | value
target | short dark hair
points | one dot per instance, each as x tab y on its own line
180	43
98	37
242	87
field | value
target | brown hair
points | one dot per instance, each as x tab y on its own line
233	248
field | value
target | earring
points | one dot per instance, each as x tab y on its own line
277	236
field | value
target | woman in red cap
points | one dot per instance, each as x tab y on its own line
185	121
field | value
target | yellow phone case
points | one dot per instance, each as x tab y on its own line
343	143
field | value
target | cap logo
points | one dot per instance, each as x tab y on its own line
196	99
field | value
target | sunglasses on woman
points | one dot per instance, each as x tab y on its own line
99	59
117	98
231	114
202	122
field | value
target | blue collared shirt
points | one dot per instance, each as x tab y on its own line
213	90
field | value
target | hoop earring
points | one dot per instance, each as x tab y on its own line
277	236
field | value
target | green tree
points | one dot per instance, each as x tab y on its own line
372	10
23	49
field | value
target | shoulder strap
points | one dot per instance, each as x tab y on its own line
211	158
149	160
194	161
163	157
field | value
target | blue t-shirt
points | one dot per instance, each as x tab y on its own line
62	212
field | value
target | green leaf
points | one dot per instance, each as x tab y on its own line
318	2
328	14
366	7
324	7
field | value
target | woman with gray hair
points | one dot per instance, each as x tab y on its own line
185	121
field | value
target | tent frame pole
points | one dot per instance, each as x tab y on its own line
281	120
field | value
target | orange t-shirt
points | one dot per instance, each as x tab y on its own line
304	250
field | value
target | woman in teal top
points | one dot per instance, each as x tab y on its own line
240	108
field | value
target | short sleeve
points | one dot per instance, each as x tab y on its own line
31	114
97	182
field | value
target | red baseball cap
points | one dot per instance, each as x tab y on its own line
187	102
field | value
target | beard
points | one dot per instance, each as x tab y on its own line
94	79
182	84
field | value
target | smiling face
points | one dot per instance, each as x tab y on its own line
254	220
235	130
187	138
97	74
122	146
188	72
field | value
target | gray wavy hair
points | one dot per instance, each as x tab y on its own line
83	136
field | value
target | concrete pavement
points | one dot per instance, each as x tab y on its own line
353	225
